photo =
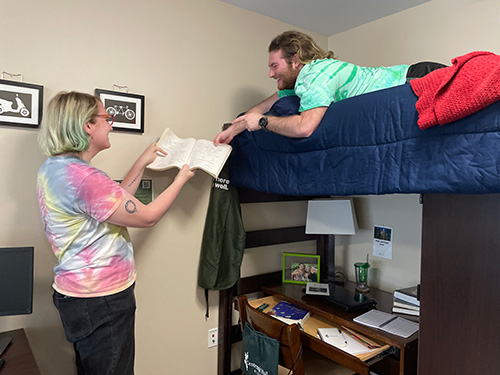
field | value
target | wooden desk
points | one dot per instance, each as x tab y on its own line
18	356
403	362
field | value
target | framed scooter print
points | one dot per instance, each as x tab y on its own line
21	104
128	109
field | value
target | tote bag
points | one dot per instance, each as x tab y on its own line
260	353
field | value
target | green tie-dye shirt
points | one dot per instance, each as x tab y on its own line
322	82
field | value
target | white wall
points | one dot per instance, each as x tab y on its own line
438	30
199	63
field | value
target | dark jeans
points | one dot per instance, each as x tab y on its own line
421	69
101	330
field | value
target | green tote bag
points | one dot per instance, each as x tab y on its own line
260	353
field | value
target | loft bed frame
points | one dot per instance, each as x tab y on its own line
229	333
453	167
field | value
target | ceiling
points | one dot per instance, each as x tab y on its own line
326	17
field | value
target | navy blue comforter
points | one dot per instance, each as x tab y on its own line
371	144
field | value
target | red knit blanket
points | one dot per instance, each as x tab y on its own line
448	94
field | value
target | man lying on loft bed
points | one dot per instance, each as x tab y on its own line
302	68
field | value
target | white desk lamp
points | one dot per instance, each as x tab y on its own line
330	217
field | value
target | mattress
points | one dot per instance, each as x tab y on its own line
371	144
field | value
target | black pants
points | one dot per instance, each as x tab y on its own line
421	69
101	330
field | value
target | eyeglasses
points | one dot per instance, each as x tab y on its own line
109	118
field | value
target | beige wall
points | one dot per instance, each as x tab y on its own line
435	31
198	63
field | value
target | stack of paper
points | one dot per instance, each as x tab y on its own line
346	340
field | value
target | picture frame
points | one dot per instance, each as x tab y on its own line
301	268
128	109
21	104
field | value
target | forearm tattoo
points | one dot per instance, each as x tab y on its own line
135	178
130	207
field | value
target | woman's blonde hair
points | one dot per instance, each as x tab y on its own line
296	43
62	127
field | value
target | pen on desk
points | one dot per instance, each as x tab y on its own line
342	334
366	343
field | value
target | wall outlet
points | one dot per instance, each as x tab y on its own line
213	337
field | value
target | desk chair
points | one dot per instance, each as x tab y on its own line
290	352
306	361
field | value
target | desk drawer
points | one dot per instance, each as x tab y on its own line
359	363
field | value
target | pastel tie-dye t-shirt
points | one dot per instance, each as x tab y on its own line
322	82
95	258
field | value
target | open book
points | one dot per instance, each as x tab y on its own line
198	154
387	322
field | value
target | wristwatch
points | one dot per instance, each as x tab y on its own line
263	122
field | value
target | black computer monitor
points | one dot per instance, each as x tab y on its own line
16	280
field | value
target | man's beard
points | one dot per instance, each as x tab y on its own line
288	79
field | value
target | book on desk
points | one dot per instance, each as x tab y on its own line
288	313
407	301
409	295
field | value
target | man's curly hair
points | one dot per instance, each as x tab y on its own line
295	42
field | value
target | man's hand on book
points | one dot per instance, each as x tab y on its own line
226	136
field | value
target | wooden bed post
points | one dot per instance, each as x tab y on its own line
225	322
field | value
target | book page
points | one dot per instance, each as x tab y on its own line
207	156
401	327
374	318
178	151
388	323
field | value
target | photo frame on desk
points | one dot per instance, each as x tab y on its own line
21	104
300	268
128	109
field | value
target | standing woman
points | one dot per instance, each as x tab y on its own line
85	216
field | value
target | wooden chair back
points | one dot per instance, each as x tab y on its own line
288	335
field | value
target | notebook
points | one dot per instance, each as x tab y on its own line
388	322
346	300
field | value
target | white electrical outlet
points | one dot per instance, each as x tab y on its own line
213	337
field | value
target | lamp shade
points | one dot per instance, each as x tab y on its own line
334	216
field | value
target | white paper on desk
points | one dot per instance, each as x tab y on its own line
374	318
388	322
352	346
401	327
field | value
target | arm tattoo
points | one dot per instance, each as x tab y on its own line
132	182
130	207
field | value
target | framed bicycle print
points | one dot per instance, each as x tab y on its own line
128	109
21	104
